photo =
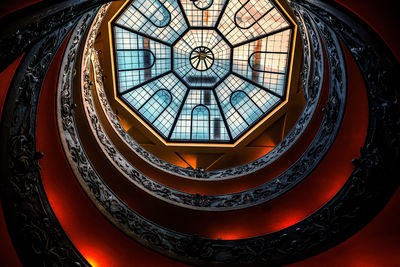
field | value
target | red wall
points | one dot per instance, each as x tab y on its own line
382	16
8	256
15	5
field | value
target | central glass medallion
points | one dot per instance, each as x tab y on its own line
202	58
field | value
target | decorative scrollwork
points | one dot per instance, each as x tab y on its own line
23	29
35	231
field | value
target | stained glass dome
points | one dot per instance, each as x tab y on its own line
202	71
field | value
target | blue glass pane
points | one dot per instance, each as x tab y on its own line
264	61
156	105
248	110
155	12
163	19
185	124
163	117
239	118
139	59
200	123
135	59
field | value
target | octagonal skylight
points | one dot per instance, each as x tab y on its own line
202	70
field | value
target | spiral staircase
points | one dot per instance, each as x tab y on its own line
85	181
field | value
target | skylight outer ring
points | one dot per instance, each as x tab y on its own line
196	85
